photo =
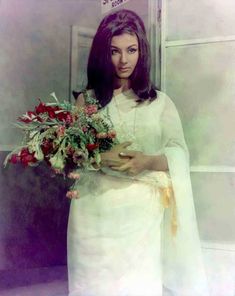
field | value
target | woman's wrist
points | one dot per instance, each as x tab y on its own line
156	162
148	162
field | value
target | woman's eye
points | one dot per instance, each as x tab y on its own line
132	50
114	51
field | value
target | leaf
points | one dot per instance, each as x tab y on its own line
97	157
57	161
38	153
32	133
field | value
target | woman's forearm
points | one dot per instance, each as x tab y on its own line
156	162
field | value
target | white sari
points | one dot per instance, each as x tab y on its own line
121	237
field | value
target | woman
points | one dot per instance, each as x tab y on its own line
122	240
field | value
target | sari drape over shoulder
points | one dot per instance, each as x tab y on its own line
131	236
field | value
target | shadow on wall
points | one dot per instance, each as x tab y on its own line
33	214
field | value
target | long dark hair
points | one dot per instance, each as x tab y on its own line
100	70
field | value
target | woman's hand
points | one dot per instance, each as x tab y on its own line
136	162
113	158
132	162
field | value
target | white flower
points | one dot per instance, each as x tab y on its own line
54	96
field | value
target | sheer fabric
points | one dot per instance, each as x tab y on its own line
120	240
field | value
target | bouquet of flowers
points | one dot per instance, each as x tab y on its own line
64	136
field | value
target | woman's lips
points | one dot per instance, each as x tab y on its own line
124	69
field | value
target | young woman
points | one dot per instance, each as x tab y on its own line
122	238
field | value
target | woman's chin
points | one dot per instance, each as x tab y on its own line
123	75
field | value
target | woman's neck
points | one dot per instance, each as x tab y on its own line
121	85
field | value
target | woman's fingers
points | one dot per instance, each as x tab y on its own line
114	158
127	153
122	168
125	168
113	161
125	144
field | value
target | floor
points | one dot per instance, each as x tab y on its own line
219	262
47	281
220	266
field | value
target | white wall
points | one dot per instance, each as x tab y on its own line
35	52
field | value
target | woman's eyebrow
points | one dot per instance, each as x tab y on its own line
127	47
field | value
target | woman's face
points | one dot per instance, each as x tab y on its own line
124	54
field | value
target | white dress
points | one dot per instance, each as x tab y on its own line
119	240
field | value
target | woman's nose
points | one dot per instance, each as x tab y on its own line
123	58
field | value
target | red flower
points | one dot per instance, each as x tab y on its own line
24	119
24	151
14	158
65	117
61	116
50	110
47	147
112	134
31	114
60	131
51	114
26	160
91	147
93	131
70	150
39	119
41	108
29	117
101	135
69	118
91	109
27	157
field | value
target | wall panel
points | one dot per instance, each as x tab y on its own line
215	205
200	19
200	79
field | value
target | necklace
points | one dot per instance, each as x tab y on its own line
126	132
